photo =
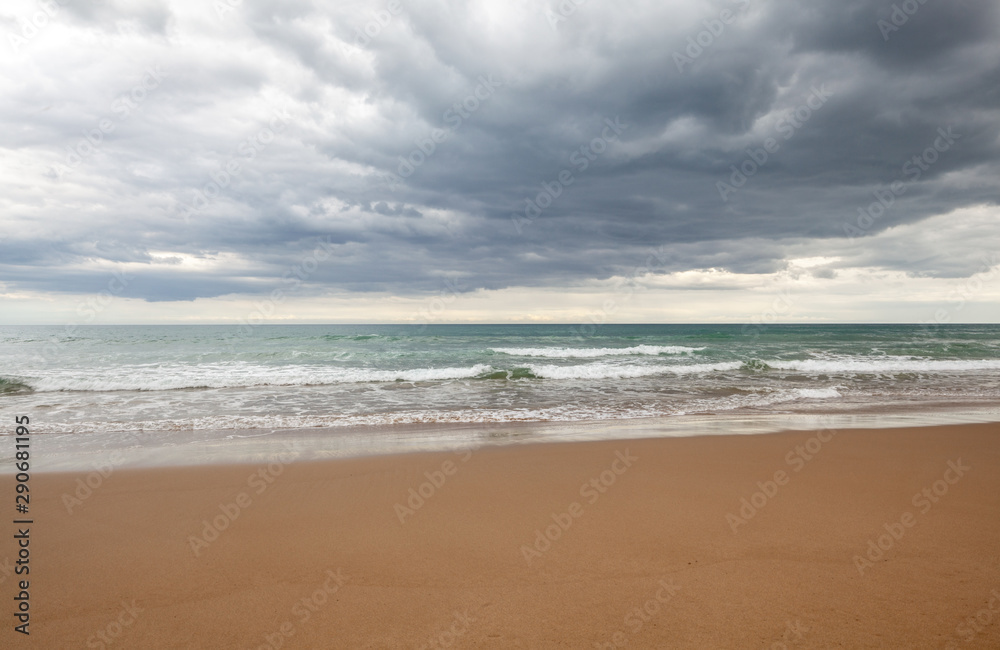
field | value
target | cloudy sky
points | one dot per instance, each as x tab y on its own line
531	160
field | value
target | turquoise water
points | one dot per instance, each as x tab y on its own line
167	378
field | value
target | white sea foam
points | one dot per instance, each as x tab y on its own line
616	371
565	413
154	377
816	393
415	416
586	353
891	364
237	375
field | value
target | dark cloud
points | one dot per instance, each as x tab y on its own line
489	103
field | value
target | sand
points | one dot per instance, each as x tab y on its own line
514	547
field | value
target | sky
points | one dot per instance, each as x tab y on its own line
573	161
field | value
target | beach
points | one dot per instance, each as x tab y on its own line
441	325
832	538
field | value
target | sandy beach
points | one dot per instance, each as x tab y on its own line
852	538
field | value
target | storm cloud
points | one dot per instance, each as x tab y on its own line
210	146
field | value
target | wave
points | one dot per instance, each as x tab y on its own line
156	377
513	373
12	386
241	375
886	365
246	376
613	371
816	393
896	365
585	353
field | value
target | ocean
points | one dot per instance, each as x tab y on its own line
106	379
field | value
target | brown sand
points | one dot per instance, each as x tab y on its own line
456	569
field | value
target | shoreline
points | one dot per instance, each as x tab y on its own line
73	452
634	538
